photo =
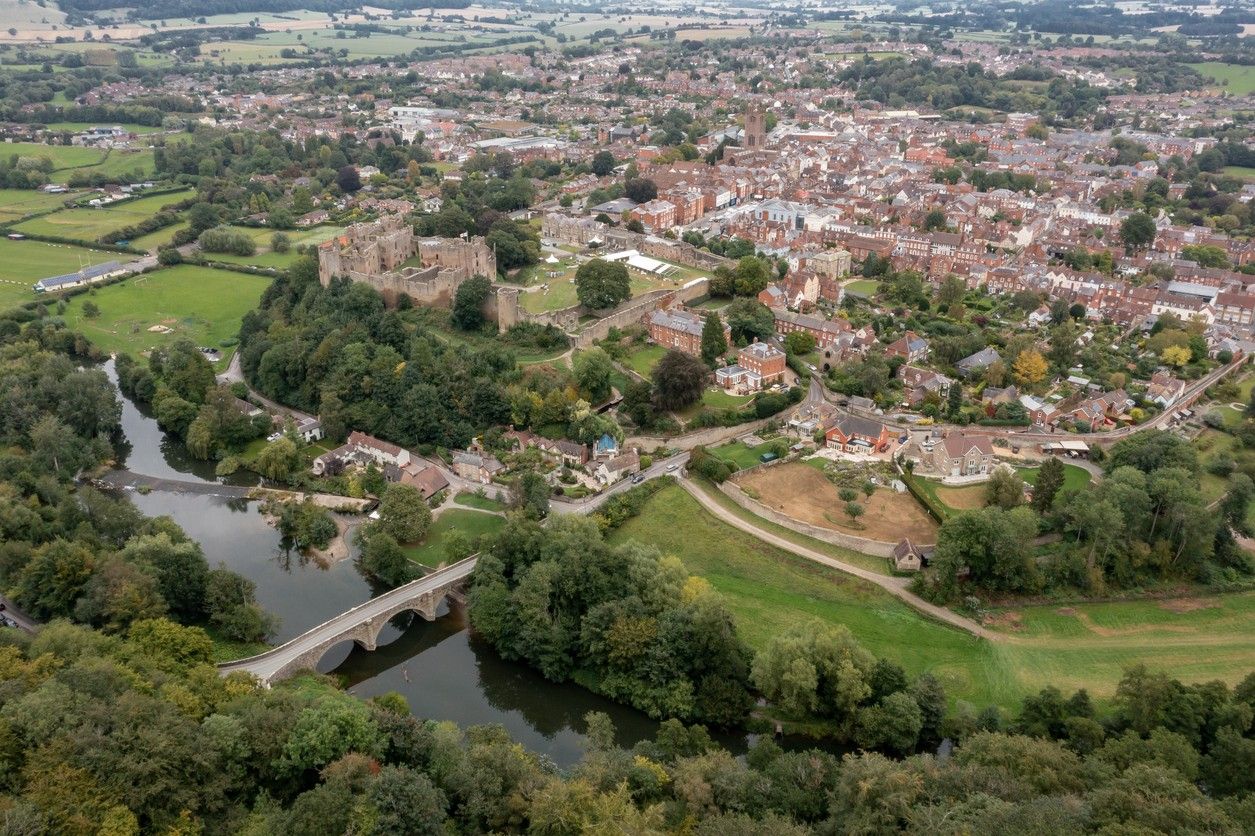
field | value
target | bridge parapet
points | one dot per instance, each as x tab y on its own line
423	596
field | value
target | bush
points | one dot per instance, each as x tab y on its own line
223	239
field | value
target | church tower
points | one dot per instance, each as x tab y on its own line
755	129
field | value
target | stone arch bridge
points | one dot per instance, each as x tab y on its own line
362	624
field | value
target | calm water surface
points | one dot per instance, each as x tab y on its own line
444	671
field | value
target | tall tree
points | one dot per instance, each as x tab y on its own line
601	284
678	380
468	303
1049	481
1137	231
714	342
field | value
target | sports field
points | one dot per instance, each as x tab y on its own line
1090	645
22	263
94	223
199	303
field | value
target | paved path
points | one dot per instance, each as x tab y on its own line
266	665
895	586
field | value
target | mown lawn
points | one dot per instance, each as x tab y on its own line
471	523
474	500
643	359
743	456
714	398
1074	477
1090	645
197	303
863	287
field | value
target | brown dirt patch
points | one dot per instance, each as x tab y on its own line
1180	606
966	498
1066	611
803	493
1009	620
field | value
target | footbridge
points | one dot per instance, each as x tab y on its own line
362	624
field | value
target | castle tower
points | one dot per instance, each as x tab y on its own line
755	128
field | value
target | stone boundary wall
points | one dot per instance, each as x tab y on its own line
637	309
707	436
876	548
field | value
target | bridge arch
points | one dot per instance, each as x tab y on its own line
362	625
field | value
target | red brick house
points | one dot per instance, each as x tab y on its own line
855	434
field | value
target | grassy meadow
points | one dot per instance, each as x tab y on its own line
16	204
67	159
769	590
1234	78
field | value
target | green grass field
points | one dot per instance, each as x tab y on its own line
198	303
1245	172
93	223
16	204
153	240
26	262
67	159
1234	78
79	127
739	454
1074	477
471	523
863	287
471	500
713	398
643	359
769	590
266	257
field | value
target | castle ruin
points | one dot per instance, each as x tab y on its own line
380	254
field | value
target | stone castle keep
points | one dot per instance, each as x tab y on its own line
374	253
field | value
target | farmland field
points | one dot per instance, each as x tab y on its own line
26	262
93	223
16	204
153	240
1089	645
67	159
199	303
1235	78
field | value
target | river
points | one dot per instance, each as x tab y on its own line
443	670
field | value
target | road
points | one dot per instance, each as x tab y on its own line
21	619
895	586
266	665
